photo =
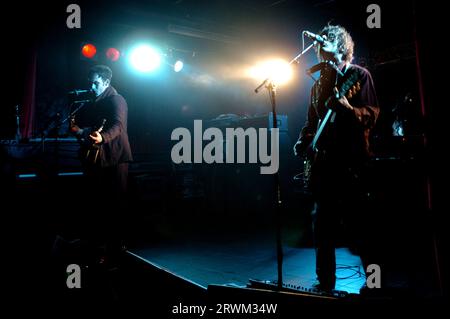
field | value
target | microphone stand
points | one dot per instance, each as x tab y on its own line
268	83
82	104
267	80
55	126
18	134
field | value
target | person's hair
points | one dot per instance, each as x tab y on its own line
345	42
103	71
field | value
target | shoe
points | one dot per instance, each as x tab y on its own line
322	287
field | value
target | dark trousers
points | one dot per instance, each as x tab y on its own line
340	212
106	193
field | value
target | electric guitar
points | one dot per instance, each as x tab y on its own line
349	88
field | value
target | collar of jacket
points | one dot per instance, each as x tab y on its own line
110	91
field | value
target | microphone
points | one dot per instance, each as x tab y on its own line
79	92
320	39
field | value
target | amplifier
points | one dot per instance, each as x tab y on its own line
257	121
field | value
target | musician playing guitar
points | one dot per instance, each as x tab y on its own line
335	143
101	128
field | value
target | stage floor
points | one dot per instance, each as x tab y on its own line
233	261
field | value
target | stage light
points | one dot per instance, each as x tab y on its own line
178	66
279	71
88	50
112	54
145	59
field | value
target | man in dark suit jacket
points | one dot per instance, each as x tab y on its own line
101	128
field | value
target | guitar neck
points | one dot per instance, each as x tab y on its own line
345	88
322	125
101	126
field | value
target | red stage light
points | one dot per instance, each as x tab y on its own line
89	50
113	54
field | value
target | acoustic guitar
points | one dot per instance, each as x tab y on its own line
93	150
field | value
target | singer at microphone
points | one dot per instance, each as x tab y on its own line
318	38
335	143
103	193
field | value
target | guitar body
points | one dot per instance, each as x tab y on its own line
315	153
307	168
93	150
92	154
89	152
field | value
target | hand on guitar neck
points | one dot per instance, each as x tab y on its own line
340	101
96	137
73	127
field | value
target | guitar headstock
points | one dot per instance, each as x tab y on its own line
351	86
353	90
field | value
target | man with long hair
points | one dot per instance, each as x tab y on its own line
335	141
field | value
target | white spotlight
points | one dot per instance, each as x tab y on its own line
178	66
145	59
279	71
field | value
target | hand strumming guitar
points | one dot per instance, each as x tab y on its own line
300	148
